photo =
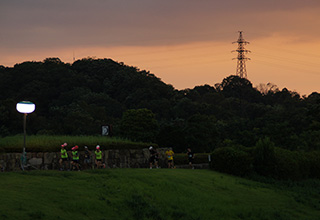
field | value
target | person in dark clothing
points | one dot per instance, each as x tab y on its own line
190	155
87	158
154	157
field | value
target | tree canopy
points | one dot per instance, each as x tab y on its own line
78	98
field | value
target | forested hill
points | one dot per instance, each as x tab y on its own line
79	98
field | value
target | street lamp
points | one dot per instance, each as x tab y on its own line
25	107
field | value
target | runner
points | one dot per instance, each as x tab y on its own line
75	158
87	158
169	154
98	154
64	157
190	155
154	157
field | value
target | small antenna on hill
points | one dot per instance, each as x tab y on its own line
74	57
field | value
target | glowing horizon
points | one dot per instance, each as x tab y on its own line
183	46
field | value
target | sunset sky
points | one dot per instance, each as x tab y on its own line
184	42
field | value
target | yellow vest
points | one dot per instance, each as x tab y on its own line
64	153
98	155
75	155
169	154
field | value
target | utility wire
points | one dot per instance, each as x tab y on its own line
287	67
275	49
298	62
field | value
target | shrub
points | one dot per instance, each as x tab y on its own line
314	161
267	160
201	158
47	143
181	158
291	165
280	163
232	160
264	157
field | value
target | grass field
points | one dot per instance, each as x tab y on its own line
153	194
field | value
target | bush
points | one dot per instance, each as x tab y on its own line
47	143
201	158
181	159
291	165
280	163
267	160
264	157
232	160
314	160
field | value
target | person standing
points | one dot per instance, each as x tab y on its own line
75	158
98	154
170	154
154	157
190	155
64	157
87	158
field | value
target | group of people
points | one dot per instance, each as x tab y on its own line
154	158
75	157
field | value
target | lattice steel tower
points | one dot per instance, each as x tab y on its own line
241	63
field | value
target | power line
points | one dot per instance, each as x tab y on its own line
287	67
289	51
294	61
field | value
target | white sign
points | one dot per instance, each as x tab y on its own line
105	130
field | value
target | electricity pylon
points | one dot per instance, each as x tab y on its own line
241	63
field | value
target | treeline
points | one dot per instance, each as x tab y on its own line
79	98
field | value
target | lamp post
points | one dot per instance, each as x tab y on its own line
25	107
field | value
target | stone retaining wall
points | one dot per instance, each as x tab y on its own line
133	158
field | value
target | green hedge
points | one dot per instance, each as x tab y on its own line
47	143
182	159
232	160
314	160
292	165
264	157
272	162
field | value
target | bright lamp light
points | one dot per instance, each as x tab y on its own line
25	107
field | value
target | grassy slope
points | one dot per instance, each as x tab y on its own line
149	194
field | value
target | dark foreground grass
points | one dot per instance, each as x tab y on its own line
151	194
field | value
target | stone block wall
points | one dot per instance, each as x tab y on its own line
131	158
